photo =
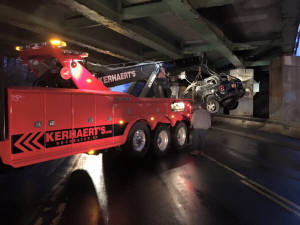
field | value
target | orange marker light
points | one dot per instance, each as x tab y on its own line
152	118
89	81
91	152
18	48
121	122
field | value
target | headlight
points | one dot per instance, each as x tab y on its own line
177	106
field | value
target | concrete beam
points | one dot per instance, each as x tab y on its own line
145	10
257	63
194	49
210	3
250	45
136	33
14	40
221	63
39	25
213	36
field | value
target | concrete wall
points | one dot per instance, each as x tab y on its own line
245	107
284	106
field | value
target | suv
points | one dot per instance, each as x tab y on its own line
218	90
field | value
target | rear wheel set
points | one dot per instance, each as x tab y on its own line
139	139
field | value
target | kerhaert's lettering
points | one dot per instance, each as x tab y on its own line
54	136
117	77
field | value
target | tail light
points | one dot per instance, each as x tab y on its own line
189	107
221	87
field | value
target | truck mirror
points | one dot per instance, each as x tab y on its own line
65	73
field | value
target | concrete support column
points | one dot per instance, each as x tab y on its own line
284	106
245	107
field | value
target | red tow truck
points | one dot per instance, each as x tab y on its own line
69	111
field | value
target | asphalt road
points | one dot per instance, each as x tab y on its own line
238	180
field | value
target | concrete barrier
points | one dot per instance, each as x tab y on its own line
260	124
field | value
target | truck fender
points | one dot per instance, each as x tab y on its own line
161	119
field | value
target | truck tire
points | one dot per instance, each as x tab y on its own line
161	140
180	136
138	141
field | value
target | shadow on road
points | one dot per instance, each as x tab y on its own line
82	206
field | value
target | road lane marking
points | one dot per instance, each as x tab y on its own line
270	197
274	194
278	199
224	166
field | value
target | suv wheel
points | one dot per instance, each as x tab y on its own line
212	105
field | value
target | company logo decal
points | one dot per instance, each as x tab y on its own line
38	140
117	77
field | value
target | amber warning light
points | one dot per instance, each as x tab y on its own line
58	43
91	152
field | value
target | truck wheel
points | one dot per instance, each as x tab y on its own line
161	140
179	136
212	105
138	141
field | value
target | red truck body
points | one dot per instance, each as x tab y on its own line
49	123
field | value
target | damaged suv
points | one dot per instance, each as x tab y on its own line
217	90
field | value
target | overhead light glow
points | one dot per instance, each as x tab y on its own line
89	80
121	122
152	118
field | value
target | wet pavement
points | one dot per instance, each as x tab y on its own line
238	180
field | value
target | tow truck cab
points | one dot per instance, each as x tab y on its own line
46	122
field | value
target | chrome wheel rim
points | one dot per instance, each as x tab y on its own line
162	140
139	140
211	106
181	136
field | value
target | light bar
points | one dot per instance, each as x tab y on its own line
53	42
58	43
177	106
30	46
